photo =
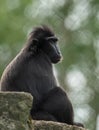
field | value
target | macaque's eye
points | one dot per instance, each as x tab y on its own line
53	38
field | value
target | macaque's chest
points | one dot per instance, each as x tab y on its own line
44	81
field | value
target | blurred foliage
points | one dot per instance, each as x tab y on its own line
76	23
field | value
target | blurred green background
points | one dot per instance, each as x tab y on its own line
76	23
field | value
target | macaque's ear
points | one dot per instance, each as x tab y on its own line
34	46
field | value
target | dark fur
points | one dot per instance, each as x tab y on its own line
31	71
57	104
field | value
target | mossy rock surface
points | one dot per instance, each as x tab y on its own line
14	110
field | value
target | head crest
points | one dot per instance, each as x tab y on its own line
41	33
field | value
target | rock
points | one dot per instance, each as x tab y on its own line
49	125
14	110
